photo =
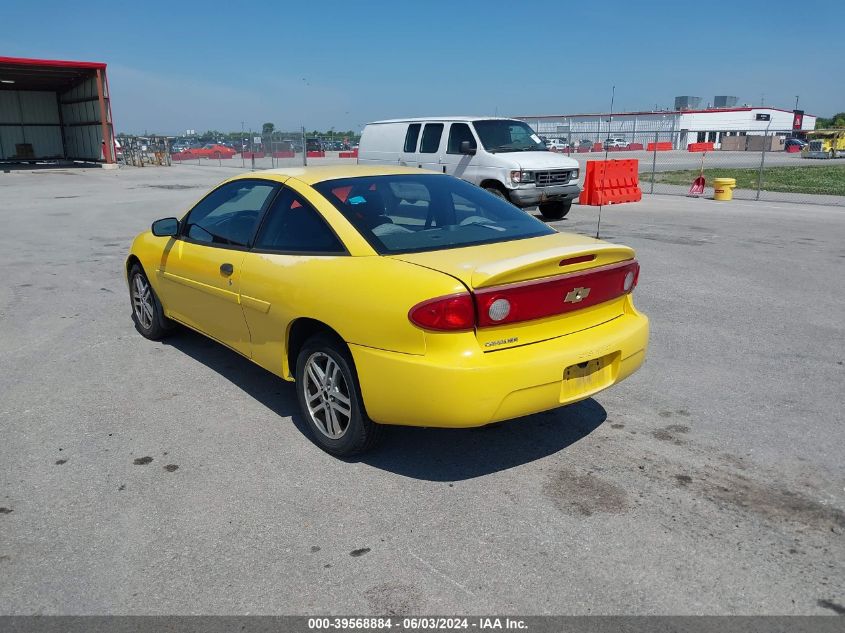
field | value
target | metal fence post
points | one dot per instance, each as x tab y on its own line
304	149
654	160
762	164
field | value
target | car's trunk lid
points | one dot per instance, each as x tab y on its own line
545	271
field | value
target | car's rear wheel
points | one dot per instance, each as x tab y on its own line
147	314
330	398
555	210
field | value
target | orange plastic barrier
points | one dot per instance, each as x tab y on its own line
319	154
348	155
284	154
700	147
634	146
253	154
611	182
598	147
660	147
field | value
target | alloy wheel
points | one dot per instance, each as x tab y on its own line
327	395
142	301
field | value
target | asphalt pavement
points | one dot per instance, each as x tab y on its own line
176	477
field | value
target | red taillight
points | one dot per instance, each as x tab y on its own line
448	314
558	295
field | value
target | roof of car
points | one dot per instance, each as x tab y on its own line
443	118
313	175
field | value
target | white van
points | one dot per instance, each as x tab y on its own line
504	156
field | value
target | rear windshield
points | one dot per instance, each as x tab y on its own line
426	212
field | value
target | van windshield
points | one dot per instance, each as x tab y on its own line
501	135
408	213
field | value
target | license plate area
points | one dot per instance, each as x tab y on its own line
588	377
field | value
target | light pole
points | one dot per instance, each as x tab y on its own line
796	102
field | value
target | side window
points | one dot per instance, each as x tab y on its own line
458	133
411	137
294	226
229	214
431	138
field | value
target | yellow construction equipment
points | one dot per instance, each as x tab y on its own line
824	144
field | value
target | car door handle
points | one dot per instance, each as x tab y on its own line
226	269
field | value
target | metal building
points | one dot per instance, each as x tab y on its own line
54	110
681	127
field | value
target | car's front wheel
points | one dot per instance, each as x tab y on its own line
555	210
147	314
330	398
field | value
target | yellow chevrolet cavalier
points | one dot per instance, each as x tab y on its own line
392	296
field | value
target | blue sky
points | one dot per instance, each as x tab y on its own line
211	65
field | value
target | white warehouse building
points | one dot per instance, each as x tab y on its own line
679	126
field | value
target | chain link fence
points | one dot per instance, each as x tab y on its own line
247	150
769	166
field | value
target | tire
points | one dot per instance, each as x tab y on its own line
325	378
497	192
147	313
555	210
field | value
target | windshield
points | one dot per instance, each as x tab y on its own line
500	135
412	213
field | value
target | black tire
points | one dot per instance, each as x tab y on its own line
154	326
359	434
497	192
555	210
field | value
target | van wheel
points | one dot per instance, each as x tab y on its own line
497	192
555	210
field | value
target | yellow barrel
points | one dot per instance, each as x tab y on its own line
723	188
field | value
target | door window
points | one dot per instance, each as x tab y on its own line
458	133
411	137
294	226
431	138
229	214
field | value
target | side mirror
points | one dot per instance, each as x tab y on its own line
167	227
467	148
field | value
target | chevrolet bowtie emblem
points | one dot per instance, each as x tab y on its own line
576	295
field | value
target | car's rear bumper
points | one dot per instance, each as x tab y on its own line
473	388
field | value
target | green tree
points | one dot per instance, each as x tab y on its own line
837	120
267	129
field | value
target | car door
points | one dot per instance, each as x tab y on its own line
430	146
285	274
201	271
457	164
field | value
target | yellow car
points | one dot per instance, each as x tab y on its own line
392	296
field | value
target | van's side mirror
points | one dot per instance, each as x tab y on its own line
166	227
467	148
